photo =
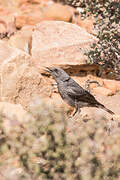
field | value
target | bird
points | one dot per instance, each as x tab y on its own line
72	93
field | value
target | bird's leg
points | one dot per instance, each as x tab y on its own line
77	110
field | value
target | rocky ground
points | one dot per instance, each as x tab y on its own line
38	33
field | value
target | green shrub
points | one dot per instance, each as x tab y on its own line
46	150
106	52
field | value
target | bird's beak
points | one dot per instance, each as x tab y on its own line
48	69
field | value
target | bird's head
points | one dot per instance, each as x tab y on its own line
58	74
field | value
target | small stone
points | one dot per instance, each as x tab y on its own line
116	117
58	12
112	85
87	24
22	39
103	91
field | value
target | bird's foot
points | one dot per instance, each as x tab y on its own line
75	112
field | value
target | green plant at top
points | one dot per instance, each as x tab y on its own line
106	51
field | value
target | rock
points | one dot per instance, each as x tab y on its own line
59	43
88	113
29	15
24	20
20	81
22	39
113	85
9	3
87	23
35	2
116	118
7	24
58	12
102	91
3	27
13	63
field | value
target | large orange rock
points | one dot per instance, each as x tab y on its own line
13	64
29	14
58	12
60	43
20	81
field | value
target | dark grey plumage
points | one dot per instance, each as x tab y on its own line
72	92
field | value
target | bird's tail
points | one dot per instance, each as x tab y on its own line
103	107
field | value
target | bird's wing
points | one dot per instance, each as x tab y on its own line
80	94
